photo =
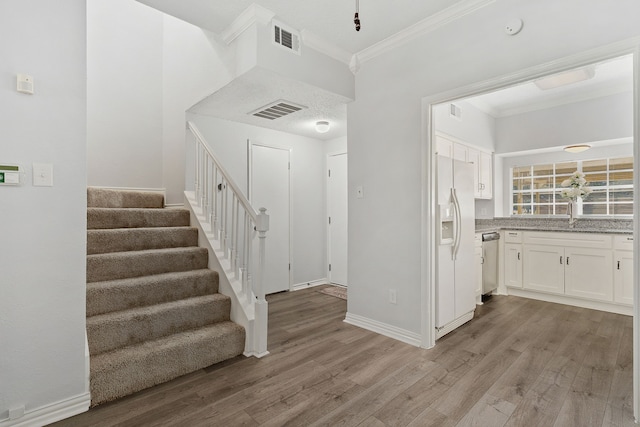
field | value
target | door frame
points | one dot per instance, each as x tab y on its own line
328	239
289	151
428	221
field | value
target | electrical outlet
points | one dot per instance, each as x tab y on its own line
393	296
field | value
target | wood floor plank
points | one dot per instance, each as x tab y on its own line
519	362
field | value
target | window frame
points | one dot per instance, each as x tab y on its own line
557	205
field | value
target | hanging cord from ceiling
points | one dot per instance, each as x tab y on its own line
356	19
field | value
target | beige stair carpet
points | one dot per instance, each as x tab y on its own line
153	308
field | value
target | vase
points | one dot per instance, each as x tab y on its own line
572	209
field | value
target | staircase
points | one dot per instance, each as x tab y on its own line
153	308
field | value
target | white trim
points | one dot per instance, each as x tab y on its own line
624	47
423	27
636	228
573	301
453	325
250	16
390	331
310	284
326	209
321	45
51	413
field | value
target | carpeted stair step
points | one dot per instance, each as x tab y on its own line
125	239
110	331
130	369
123	265
101	218
108	198
124	294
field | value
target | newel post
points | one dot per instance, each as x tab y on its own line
262	311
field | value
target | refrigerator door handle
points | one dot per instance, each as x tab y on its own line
457	223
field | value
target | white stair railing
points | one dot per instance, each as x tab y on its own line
234	225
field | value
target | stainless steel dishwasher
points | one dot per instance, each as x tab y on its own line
489	262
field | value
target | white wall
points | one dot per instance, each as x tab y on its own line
386	125
43	229
599	119
336	145
474	127
228	140
124	94
145	69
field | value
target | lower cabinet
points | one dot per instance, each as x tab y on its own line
589	273
513	265
623	277
544	268
596	267
623	269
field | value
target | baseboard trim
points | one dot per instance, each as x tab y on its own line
384	329
52	413
574	301
311	284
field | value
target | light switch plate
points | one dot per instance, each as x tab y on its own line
42	175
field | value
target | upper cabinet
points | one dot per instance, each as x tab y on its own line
482	163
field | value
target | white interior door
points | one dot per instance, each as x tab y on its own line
337	210
270	188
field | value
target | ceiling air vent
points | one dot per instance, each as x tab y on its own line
286	37
277	109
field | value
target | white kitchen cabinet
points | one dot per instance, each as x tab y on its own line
589	273
483	172
460	152
485	176
513	265
512	258
444	146
543	268
623	270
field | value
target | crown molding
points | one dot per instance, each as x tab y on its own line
251	15
316	42
425	26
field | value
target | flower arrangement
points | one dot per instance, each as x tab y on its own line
575	186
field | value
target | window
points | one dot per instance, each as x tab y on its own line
536	188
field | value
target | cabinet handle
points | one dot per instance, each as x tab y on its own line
560	259
567	260
518	256
618	265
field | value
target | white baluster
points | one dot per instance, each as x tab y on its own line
197	172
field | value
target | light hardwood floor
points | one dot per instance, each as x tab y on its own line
520	362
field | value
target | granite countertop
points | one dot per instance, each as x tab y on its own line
583	225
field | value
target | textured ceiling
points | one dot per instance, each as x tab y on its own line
260	87
332	20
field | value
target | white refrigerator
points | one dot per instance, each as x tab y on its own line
455	276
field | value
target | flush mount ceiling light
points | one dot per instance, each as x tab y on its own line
566	78
322	126
577	148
